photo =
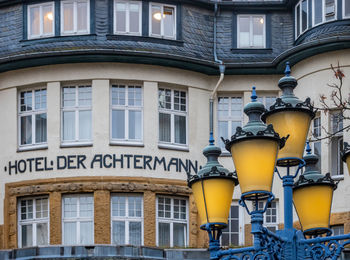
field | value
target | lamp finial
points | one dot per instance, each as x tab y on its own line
308	148
211	139
287	70
254	96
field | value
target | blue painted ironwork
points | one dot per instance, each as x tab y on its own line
288	244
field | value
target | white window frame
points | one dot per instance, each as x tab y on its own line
161	21
127	17
41	22
76	108
240	224
75	15
126	108
34	221
313	136
262	98
31	113
343	5
127	219
172	220
270	224
172	113
229	118
301	18
251	16
78	219
338	138
323	12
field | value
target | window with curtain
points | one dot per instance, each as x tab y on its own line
75	18
346	8
230	116
336	144
78	219
251	31
126	113
323	11
162	20
301	17
172	105
76	114
33	222
32	117
127	17
41	20
172	222
127	219
230	235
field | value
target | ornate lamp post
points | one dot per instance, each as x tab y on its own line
256	150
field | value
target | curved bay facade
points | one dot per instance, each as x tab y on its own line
105	107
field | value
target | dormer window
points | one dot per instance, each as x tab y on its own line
41	20
301	17
75	17
251	31
162	21
127	17
323	11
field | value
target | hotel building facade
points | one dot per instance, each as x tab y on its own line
105	108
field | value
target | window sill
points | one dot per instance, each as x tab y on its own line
173	147
27	42
32	148
134	144
151	39
68	145
225	154
252	50
338	177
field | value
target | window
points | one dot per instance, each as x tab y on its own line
323	11
32	118
41	19
231	234
76	114
126	115
230	115
127	17
127	220
336	143
270	216
301	17
172	222
33	222
268	100
162	21
78	220
251	31
172	116
316	132
337	230
346	8
75	17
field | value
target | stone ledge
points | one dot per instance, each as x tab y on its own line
103	252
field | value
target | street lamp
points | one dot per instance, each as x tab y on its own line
255	150
313	212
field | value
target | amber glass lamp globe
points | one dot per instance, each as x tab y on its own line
290	117
254	150
312	196
212	189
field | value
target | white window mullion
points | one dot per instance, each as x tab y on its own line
75	17
127	17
